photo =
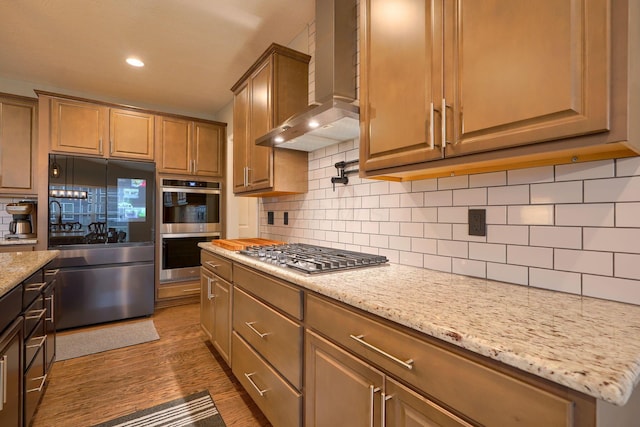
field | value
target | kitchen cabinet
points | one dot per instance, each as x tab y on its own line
82	127
215	302
18	144
190	147
11	373
267	344
494	85
274	88
16	248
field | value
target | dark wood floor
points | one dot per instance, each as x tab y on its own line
96	388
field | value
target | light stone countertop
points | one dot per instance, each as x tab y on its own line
16	242
18	266
587	344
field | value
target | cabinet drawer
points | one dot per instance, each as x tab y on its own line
277	338
280	403
33	315
179	290
33	343
482	393
219	265
34	381
277	293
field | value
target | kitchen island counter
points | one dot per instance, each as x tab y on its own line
18	266
587	344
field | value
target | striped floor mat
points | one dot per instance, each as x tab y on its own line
196	410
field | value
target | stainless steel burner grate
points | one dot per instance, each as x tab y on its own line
313	259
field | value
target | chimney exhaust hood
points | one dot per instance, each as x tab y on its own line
335	117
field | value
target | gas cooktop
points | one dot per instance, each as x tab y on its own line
312	259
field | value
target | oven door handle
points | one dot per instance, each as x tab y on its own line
190	190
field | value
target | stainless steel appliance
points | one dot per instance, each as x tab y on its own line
312	259
191	213
101	218
23	224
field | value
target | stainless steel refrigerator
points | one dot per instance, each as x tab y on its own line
101	218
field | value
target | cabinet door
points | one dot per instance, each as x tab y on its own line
11	376
207	297
131	134
174	144
222	318
78	127
521	72
405	408
261	122
401	74
240	138
208	152
339	387
17	137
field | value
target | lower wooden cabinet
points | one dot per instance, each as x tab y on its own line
11	366
215	311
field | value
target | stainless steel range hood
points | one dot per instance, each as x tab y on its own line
335	116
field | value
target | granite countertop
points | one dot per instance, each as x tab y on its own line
587	344
15	242
17	266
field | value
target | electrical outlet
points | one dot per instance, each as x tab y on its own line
286	218
477	222
270	220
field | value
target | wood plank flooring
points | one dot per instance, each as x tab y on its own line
96	388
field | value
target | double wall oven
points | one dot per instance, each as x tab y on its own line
191	213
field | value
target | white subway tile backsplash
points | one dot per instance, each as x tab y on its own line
453	182
411	229
435	262
556	237
569	228
625	189
438	198
469	267
623	290
560	281
488	252
438	231
514	195
557	192
453	248
530	255
587	170
457	215
592	214
584	261
492	179
627	266
612	239
530	215
470	196
530	175
509	234
424	246
627	214
508	273
628	167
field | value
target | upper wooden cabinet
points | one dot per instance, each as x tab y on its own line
190	147
17	144
272	90
80	127
495	84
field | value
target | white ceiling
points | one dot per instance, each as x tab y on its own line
194	50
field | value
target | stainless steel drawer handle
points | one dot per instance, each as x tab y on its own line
260	392
35	314
257	332
372	391
191	290
39	388
3	371
35	287
51	308
52	272
211	264
40	344
360	339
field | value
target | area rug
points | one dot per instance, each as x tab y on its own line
196	410
81	343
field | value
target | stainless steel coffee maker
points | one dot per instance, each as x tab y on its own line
23	225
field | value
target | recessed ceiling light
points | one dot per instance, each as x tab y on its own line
135	62
313	124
